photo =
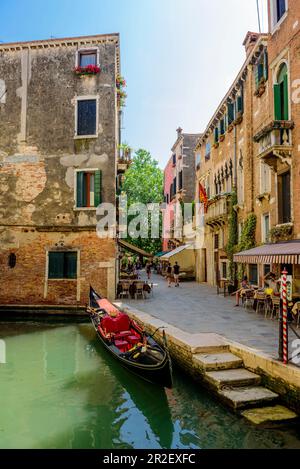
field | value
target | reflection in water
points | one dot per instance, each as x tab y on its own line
61	389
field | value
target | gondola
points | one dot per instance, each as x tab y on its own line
129	343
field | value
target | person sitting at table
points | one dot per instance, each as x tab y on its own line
244	286
271	283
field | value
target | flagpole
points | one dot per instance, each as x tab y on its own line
258	15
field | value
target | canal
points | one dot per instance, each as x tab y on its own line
60	389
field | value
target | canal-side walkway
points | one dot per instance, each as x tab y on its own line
196	308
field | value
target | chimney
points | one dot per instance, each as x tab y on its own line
250	41
179	131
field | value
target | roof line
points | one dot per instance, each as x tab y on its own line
60	39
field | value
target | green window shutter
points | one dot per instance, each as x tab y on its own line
286	98
70	265
240	104
56	265
266	65
80	189
260	71
230	107
277	102
98	184
256	76
216	134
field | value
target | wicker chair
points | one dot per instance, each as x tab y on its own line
275	307
139	290
261	302
125	290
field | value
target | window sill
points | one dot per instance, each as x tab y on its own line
279	23
84	137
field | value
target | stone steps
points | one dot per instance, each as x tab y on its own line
235	378
270	415
247	396
217	361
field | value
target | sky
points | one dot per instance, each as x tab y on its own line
179	57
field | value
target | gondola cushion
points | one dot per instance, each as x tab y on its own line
133	339
115	325
123	334
122	345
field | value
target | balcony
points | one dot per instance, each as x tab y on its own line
218	211
124	160
275	143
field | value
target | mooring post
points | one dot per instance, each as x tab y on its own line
284	317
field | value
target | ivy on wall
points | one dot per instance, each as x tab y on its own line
247	240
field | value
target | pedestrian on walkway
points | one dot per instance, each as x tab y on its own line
169	275
148	270
176	270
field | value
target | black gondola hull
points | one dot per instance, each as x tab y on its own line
160	374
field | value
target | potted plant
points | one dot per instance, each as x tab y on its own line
88	70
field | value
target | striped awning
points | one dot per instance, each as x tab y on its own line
279	253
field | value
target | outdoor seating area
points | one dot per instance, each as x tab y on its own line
264	302
134	289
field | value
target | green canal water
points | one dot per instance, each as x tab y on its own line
60	389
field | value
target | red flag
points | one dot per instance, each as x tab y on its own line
203	197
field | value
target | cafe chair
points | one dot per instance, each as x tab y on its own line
275	307
139	290
248	299
260	302
125	290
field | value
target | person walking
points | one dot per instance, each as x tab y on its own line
148	270
176	270
169	275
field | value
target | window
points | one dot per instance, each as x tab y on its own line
267	269
180	181
265	228
284	198
86	117
88	189
253	274
261	68
174	159
88	57
265	178
230	109
281	94
198	160
280	9
216	241
207	151
12	260
216	135
222	126
62	265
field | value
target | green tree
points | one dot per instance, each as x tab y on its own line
143	183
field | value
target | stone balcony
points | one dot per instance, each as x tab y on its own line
275	143
124	160
218	211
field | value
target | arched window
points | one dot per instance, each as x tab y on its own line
12	260
281	94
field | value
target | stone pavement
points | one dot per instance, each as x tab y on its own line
196	308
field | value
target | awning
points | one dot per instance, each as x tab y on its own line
160	254
279	253
176	251
134	249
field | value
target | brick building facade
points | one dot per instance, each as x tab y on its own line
250	149
179	185
59	134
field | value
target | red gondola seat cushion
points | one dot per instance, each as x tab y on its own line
115	325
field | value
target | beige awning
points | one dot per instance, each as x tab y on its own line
279	253
134	249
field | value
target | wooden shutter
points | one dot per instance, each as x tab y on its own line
256	76
277	102
240	104
56	265
81	189
86	117
98	178
216	134
266	65
285	98
70	265
230	112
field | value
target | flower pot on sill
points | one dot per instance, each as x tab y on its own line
222	138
